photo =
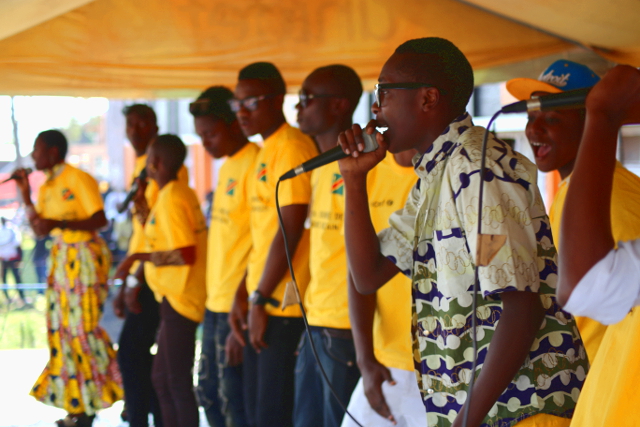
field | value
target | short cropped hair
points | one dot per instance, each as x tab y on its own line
142	110
55	138
267	72
215	104
346	81
171	150
441	63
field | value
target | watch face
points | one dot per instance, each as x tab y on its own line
132	281
255	298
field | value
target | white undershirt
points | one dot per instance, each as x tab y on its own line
611	288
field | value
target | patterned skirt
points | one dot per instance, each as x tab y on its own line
82	374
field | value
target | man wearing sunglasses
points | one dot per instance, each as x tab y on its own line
522	335
328	98
273	333
220	390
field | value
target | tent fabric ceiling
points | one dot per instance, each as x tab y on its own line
172	48
609	28
19	15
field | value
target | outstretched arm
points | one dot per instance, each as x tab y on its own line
586	222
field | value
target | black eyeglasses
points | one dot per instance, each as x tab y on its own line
381	88
250	103
305	97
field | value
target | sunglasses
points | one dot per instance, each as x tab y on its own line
382	88
305	97
250	103
201	107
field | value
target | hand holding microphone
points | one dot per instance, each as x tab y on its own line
355	143
617	96
18	174
137	183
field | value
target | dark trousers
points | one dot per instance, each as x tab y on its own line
268	377
15	270
219	386
135	359
315	405
172	368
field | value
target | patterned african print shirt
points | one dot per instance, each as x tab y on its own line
432	239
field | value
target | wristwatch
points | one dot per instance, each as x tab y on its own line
132	281
256	298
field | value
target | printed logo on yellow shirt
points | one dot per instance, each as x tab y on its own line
231	186
262	172
152	220
67	194
337	184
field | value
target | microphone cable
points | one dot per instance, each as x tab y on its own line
304	313
476	281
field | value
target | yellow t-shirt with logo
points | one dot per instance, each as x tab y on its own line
287	148
625	225
610	395
69	194
176	221
137	243
229	232
388	188
326	299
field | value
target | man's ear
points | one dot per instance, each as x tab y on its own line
339	106
430	97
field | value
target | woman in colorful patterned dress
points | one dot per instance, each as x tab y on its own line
82	373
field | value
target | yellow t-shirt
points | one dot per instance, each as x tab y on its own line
137	243
229	233
610	395
176	221
388	188
625	225
326	299
69	194
282	151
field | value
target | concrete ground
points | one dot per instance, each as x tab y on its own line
19	369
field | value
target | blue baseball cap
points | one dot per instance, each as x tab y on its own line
560	76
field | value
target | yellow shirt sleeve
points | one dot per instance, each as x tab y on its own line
294	149
88	194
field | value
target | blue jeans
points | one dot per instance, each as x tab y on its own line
315	405
269	375
219	386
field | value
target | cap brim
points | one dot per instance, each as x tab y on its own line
522	88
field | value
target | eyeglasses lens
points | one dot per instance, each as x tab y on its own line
376	94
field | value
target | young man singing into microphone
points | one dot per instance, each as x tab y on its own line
531	362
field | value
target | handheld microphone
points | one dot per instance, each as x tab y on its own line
330	156
14	176
555	101
132	192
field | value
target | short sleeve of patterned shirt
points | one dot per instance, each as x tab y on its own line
433	239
